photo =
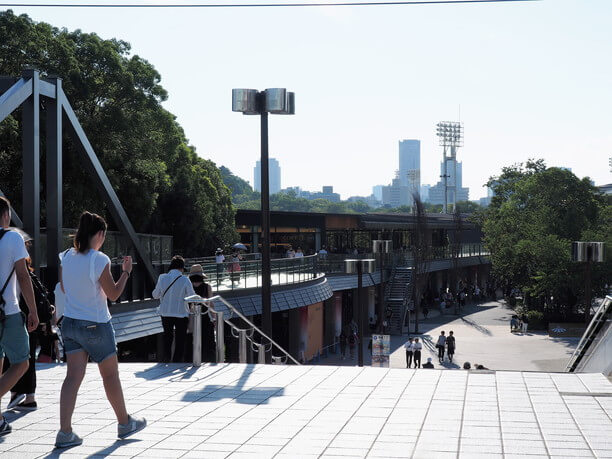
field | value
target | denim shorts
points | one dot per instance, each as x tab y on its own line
14	342
95	338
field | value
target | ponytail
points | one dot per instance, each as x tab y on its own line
89	225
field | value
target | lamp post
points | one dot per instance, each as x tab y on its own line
587	253
381	247
253	102
359	267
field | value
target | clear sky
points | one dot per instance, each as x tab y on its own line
533	80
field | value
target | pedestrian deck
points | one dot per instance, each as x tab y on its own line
234	410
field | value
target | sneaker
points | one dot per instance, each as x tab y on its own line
5	427
15	400
64	440
134	425
30	406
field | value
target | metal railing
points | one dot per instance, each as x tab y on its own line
250	335
240	274
597	322
246	273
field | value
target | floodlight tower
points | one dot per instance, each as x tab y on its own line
451	137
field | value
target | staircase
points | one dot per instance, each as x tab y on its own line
398	293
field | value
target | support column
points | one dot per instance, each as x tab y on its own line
55	242
31	166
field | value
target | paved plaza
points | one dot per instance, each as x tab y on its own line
234	410
483	336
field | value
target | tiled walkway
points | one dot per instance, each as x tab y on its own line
249	411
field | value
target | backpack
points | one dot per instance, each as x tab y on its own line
42	299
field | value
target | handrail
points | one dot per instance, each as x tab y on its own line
590	333
209	303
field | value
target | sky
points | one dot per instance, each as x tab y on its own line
527	80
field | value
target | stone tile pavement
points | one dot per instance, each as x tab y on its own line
251	411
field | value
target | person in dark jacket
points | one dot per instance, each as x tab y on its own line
203	289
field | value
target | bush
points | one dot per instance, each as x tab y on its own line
536	320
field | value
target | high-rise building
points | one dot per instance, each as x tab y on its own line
396	195
410	164
425	192
436	192
377	191
275	176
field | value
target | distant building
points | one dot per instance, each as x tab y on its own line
327	192
436	193
396	194
377	192
410	165
425	192
275	176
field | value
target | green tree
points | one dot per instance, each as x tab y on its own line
117	97
534	216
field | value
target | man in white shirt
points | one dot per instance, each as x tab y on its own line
14	280
171	289
409	352
416	346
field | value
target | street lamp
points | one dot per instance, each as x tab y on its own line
277	101
451	135
359	267
381	247
587	253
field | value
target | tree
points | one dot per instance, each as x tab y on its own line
117	98
535	214
467	207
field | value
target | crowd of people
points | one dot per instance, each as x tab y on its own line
85	284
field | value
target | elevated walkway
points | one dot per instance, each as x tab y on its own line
265	411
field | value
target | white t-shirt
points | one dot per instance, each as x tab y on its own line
408	345
417	346
172	302
85	299
219	258
12	249
299	254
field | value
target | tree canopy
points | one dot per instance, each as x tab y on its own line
534	216
164	186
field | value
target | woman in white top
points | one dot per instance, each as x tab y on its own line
87	331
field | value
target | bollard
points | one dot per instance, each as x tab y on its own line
220	337
242	346
197	334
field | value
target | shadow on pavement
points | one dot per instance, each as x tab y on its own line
480	328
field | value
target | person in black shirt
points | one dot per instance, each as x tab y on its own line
428	364
450	345
202	288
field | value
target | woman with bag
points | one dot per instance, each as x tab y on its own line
172	288
87	331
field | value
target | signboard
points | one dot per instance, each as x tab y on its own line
381	349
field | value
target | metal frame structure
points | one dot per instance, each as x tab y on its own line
451	136
27	92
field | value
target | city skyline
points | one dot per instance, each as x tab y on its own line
522	85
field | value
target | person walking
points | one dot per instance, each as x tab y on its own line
14	276
450	345
417	346
441	343
202	288
343	341
525	322
171	289
409	351
23	393
87	282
